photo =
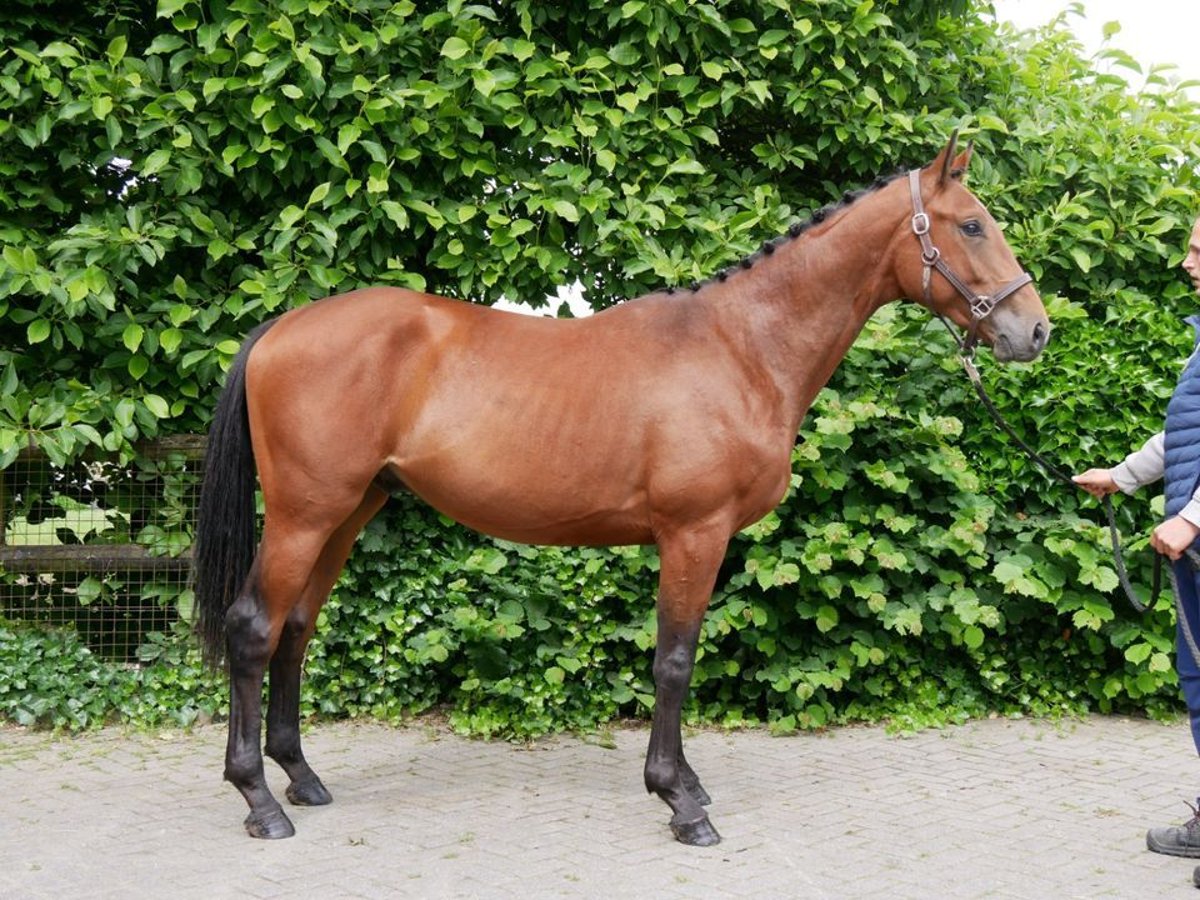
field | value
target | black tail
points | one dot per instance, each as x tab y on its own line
225	541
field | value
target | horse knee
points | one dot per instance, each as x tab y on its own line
673	667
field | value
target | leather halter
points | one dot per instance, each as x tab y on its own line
981	304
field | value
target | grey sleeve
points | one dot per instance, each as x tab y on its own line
1140	467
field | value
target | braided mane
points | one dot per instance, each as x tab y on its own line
794	231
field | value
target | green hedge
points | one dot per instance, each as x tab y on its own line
920	569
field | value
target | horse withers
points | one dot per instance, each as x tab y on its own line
665	420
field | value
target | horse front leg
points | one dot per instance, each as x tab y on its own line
688	570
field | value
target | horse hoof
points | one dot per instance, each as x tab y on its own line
308	793
270	825
696	834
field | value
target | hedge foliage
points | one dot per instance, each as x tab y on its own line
176	172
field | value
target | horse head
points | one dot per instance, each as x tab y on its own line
956	262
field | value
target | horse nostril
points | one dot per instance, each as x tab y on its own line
1039	335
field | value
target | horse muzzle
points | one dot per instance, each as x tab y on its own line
1013	339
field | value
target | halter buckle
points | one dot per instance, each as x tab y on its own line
982	305
920	224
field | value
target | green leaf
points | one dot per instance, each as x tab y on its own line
124	411
319	193
131	337
116	49
685	167
485	81
1138	653
88	591
157	405
38	331
455	48
396	213
261	105
168	8
566	210
155	161
170	339
1082	258
289	216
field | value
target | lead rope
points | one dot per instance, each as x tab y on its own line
1191	555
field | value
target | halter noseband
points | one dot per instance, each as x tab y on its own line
981	304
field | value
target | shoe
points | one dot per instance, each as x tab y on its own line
1178	840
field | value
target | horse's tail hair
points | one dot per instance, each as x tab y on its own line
224	546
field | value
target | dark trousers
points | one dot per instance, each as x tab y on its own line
1186	579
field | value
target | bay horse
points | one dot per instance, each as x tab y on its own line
666	420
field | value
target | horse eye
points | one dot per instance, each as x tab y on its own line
971	228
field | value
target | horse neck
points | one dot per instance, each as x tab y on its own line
795	313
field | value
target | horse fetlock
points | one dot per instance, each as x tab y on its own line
245	773
661	779
284	750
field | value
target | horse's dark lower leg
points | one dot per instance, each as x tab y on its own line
283	711
249	643
688	569
673	663
283	717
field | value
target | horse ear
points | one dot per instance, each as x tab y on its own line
945	160
959	167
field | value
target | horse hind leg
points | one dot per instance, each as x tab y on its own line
283	714
283	709
250	639
254	625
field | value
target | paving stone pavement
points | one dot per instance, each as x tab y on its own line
997	808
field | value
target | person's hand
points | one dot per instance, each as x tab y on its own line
1096	482
1174	536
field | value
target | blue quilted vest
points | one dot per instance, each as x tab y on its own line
1182	440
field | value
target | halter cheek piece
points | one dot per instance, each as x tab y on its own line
981	304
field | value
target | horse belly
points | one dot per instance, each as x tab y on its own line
530	503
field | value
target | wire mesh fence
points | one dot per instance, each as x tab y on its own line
100	546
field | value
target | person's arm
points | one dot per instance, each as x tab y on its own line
1139	468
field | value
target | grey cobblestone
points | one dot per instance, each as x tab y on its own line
991	809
